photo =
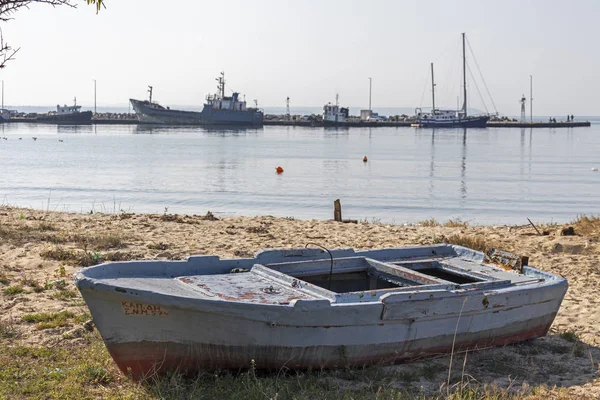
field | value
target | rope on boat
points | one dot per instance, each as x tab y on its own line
330	256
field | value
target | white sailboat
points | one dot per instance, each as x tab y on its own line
439	118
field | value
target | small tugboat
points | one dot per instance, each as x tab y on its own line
218	110
310	308
67	115
334	115
438	118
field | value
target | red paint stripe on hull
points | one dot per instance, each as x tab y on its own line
148	358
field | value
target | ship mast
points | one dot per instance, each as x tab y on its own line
432	91
221	85
464	77
150	91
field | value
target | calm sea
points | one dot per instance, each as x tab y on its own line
483	176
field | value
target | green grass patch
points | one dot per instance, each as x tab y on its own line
570	336
64	295
80	372
14	290
86	371
50	320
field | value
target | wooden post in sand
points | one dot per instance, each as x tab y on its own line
337	211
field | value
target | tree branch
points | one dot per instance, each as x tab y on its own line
9	7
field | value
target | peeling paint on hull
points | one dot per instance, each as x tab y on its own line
202	314
146	358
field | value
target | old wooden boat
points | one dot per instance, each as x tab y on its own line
310	308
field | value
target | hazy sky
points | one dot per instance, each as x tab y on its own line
308	50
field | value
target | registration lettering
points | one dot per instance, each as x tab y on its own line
135	308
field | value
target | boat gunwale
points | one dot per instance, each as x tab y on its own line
411	293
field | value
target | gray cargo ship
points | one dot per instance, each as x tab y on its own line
218	110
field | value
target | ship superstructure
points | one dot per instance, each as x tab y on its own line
218	110
333	114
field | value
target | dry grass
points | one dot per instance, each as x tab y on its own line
455	223
99	242
472	242
587	225
429	222
84	258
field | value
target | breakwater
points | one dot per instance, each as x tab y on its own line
490	124
130	119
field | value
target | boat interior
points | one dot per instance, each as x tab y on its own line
283	276
352	279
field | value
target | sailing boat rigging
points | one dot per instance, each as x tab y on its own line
439	118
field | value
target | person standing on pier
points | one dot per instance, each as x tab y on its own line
572	117
568	118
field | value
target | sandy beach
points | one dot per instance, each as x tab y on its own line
40	250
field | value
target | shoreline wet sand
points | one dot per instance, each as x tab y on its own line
48	350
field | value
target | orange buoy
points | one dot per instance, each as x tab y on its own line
279	170
365	159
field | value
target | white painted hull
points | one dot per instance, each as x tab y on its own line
146	330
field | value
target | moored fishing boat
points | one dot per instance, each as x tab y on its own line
334	115
218	110
66	115
309	308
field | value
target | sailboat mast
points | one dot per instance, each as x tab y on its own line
531	99
432	91
464	77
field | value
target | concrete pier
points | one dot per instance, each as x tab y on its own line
505	124
357	123
490	124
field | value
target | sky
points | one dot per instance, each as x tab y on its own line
308	50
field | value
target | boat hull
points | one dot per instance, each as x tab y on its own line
472	122
84	117
146	333
208	116
145	358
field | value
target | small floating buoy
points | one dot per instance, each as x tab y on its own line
594	169
34	138
20	138
365	159
60	140
279	170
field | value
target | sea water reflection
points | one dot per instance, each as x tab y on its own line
479	175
